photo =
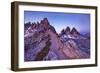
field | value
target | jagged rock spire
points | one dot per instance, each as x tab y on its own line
44	21
74	31
67	30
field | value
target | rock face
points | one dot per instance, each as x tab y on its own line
42	42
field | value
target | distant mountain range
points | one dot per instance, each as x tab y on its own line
42	42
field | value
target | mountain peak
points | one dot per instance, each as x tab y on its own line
67	30
74	31
44	21
63	31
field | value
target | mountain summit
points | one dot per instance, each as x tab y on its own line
44	22
74	31
69	32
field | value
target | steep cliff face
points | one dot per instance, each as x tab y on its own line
42	42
